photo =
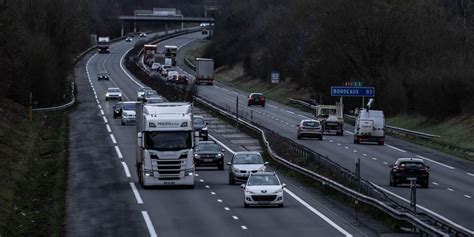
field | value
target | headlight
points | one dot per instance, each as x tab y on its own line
219	155
196	155
106	94
120	94
278	191
149	173
249	191
236	170
261	168
189	172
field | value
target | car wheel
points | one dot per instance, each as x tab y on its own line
393	182
263	105
320	138
298	136
426	184
120	99
281	205
220	166
115	115
106	98
123	123
248	104
246	205
190	186
356	141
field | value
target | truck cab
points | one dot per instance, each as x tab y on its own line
331	118
165	141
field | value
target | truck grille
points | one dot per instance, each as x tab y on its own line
168	167
263	198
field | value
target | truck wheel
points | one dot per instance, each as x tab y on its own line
381	143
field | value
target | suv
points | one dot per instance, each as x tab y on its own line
256	99
103	76
263	188
200	127
209	153
243	164
309	128
405	168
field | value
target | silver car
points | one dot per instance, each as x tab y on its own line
243	164
309	128
141	92
113	93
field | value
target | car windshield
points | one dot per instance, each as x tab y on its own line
103	74
168	141
155	100
211	147
248	159
257	180
145	89
113	90
256	95
151	92
129	106
198	121
311	124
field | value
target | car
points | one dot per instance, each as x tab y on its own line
209	153
182	79
406	168
149	94
103	76
256	99
164	72
172	76
155	66
128	39
113	93
243	164
154	99
309	128
204	32
200	127
141	92
142	34
128	114
263	188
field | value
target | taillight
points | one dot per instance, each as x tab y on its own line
262	98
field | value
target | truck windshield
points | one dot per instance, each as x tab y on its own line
168	141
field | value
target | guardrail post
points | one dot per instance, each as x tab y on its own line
237	112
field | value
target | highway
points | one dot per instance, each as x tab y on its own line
451	191
104	197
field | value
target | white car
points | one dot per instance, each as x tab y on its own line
141	92
129	112
243	164
263	188
172	76
113	93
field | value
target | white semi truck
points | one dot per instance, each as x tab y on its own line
369	125
165	141
204	71
103	44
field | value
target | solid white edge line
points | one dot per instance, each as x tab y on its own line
108	128
321	215
117	150
125	168
149	224
425	209
470	174
436	162
395	148
113	138
125	71
296	197
348	132
136	193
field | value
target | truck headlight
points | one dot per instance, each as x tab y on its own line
189	172
148	173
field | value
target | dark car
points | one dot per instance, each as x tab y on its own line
208	153
103	76
129	39
256	99
406	168
149	94
121	106
200	127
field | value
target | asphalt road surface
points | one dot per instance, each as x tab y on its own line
104	197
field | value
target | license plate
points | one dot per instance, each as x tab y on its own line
263	203
207	160
169	182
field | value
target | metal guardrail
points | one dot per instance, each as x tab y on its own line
391	208
189	63
392	129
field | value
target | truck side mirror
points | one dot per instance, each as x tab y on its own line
139	139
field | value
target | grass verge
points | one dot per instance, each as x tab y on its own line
33	172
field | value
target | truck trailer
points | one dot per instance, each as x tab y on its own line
170	52
165	140
204	71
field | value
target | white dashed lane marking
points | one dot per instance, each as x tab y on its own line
467	196
105	119
435	183
219	200
207	186
243	227
226	208
373	158
235	217
113	138
117	150
149	224
213	193
470	174
108	128
450	189
125	168
135	193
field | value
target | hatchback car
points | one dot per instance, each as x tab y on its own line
309	128
103	76
172	76
200	127
406	168
128	115
149	94
155	66
263	188
209	153
113	93
141	92
256	99
243	164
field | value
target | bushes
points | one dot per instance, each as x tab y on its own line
417	54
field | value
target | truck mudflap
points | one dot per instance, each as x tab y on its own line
380	140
